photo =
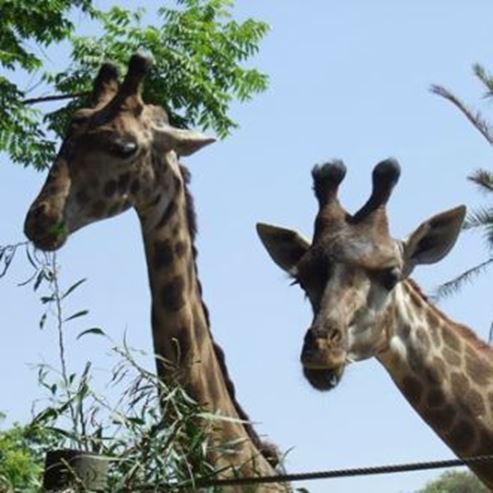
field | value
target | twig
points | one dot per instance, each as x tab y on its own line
57	97
61	342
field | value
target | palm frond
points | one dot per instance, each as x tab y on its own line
479	218
483	179
489	235
475	118
455	285
485	77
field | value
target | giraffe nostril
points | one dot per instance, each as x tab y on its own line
41	209
335	336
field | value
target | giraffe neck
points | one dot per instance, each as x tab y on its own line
444	371
180	322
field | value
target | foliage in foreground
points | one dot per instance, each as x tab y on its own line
199	51
151	431
455	482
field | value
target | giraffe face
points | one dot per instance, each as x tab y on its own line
350	270
348	294
121	153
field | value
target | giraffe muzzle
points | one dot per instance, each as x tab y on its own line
323	349
44	228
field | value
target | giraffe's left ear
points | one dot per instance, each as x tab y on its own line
433	239
183	142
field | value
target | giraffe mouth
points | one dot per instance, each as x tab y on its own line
323	379
50	241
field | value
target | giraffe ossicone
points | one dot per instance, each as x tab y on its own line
122	153
356	277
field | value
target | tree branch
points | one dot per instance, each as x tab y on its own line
476	119
55	98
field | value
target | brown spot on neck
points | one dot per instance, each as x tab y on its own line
463	436
413	389
172	294
163	254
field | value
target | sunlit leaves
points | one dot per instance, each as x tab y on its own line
199	50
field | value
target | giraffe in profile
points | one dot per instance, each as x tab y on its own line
356	277
122	153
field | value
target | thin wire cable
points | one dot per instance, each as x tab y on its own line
341	473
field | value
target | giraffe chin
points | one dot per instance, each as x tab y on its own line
323	379
49	243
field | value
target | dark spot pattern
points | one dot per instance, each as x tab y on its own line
460	385
163	254
435	398
451	339
462	435
180	248
423	339
451	357
435	336
441	418
405	331
478	369
476	403
433	376
440	367
172	294
413	389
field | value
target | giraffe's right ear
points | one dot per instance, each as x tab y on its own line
285	246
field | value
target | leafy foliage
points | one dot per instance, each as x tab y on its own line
26	25
455	482
151	431
22	457
199	53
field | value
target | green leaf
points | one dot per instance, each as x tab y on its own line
93	330
82	313
73	287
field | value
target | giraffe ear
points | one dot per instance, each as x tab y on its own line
433	239
183	142
285	246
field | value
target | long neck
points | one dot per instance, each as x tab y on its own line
445	372
180	326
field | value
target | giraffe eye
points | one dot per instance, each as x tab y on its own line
123	148
390	277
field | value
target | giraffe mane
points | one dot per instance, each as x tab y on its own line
463	330
268	450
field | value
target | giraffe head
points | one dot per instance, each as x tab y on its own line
351	268
118	153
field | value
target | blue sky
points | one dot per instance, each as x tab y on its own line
349	80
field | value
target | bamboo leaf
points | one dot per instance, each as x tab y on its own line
73	287
93	330
82	313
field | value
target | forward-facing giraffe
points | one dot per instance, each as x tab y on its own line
122	153
356	278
